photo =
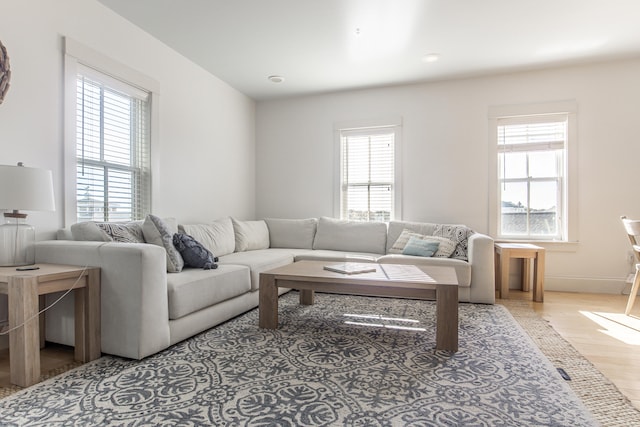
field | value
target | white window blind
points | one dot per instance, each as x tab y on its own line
532	169
367	187
112	131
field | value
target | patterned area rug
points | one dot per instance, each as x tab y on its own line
352	361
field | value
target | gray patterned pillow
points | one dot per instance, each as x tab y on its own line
129	232
159	233
459	234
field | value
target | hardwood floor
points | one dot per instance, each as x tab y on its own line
593	323
596	326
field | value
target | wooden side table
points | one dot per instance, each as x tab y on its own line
25	289
528	252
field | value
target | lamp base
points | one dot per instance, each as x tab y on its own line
17	242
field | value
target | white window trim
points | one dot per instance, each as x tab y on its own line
570	108
354	125
76	53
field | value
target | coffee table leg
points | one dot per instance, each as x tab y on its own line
447	317
268	302
306	296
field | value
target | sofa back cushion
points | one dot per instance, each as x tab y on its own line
291	233
350	236
218	236
250	235
89	231
397	227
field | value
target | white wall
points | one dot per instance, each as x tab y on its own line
206	151
445	156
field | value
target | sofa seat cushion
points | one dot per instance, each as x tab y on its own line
258	261
194	289
463	268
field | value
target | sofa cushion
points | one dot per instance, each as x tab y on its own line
160	232
250	235
217	236
291	233
350	236
397	227
258	261
89	231
195	289
445	247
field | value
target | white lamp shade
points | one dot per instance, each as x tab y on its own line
23	188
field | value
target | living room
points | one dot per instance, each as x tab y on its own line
221	153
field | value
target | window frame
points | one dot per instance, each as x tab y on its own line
364	127
75	56
533	113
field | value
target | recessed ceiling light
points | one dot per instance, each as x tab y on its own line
431	57
276	79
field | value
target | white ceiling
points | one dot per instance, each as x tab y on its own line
313	43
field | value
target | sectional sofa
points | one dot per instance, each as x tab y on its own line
150	302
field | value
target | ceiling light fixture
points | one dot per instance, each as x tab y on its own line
431	57
276	79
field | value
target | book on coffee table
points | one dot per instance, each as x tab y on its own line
351	267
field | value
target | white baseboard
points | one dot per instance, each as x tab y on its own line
617	286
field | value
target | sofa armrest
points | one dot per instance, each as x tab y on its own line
134	304
481	258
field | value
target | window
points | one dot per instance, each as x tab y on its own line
111	116
368	189
532	171
112	132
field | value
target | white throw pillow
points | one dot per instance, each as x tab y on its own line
250	235
89	231
218	236
160	233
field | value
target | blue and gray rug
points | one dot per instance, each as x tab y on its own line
345	361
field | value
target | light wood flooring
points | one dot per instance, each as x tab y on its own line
593	323
596	326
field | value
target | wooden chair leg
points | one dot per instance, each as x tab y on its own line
634	291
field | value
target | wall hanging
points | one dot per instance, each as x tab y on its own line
5	72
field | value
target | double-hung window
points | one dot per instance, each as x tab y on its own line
112	134
368	184
532	176
109	133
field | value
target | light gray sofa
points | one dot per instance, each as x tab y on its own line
146	309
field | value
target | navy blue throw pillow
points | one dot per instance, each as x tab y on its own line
193	253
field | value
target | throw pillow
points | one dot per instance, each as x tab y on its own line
459	234
89	231
445	247
419	247
160	233
193	253
130	232
250	235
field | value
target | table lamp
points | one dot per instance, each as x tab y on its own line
22	188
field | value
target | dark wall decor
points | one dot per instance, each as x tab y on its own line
5	72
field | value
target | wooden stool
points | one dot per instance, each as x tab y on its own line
504	253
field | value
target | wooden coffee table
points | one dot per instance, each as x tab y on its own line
310	276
